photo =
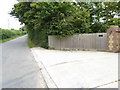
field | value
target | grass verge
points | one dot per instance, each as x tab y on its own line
30	44
8	39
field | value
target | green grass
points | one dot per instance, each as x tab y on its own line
30	44
8	39
6	35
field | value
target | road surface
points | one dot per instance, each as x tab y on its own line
19	69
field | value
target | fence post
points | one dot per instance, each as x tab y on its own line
113	38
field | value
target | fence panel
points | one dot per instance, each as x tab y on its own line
96	41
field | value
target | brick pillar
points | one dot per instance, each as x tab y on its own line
113	36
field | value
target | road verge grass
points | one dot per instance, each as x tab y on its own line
30	44
8	39
6	35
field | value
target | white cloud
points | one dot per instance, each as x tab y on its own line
6	21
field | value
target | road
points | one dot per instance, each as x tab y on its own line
19	69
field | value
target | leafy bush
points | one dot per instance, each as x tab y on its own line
77	21
4	34
98	27
62	18
51	18
115	21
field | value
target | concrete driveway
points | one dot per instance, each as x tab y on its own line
78	69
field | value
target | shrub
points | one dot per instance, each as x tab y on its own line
56	18
98	27
51	18
4	33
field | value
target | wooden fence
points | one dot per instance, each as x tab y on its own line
95	41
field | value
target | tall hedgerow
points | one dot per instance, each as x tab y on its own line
62	18
51	18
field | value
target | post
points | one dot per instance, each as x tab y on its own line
113	38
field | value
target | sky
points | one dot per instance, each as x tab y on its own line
6	20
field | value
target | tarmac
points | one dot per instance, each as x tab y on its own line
18	69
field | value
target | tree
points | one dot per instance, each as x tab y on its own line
103	11
110	10
53	18
63	18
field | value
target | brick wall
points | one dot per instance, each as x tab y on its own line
113	35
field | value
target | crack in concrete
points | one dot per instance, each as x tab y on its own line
64	63
105	84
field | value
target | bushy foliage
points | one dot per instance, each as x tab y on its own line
77	21
98	27
115	21
4	34
51	18
63	18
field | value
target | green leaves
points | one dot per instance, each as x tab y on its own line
64	18
4	33
69	20
99	27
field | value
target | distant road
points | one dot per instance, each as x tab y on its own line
19	70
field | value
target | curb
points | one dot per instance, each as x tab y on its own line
49	81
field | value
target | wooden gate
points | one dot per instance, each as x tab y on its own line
95	41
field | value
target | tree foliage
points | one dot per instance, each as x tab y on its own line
98	27
4	33
59	18
64	18
110	10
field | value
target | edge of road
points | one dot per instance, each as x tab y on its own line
49	81
43	82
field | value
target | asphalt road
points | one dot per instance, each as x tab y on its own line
19	69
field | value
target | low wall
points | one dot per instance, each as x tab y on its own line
95	41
